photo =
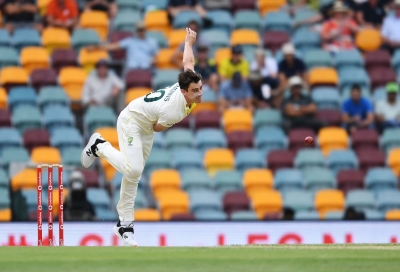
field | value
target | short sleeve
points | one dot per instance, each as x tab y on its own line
272	65
125	43
166	118
245	69
379	108
223	68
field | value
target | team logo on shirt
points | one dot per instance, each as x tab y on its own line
130	140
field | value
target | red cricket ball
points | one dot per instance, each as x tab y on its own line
309	141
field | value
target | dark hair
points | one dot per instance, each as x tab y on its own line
193	22
356	87
186	77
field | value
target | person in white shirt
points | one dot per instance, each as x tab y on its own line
390	28
154	112
388	110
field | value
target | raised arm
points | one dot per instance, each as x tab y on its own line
188	56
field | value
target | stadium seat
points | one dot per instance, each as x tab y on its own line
52	95
299	200
117	36
55	116
157	20
207	119
370	157
395	61
3	99
221	20
72	80
380	178
96	20
24	37
43	77
71	156
280	159
164	180
216	38
49	155
331	138
5	215
350	179
287	179
211	216
9	137
164	78
5	38
328	201
8	57
36	137
24	118
394	160
222	54
277	21
318	178
374	215
55	38
228	181
195	179
175	38
158	159
243	216
158	141
353	75
66	137
5	200
388	200
159	37
247	19
12	155
368	39
339	160
218	159
98	197
91	178
156	4
88	59
334	215
270	138
365	138
255	180
205	200
63	58
348	58
380	76
248	158
240	139
147	215
245	37
175	203
109	134
266	201
331	117
235	201
182	19
25	179
187	159
5	118
390	139
125	19
179	138
360	199
84	37
393	215
377	59
306	215
296	138
326	98
13	76
99	116
21	96
134	93
306	39
317	58
267	117
323	76
273	40
208	103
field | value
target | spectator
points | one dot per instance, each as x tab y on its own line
357	111
206	68
235	64
141	51
388	110
267	66
62	13
298	109
108	6
235	93
337	33
218	4
103	87
371	13
390	28
20	14
262	92
351	214
176	6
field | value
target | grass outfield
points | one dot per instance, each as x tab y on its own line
285	258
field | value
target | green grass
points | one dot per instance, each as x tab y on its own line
285	258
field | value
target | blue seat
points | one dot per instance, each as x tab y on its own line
21	96
179	138
56	116
209	96
396	60
319	178
267	117
347	58
349	76
24	118
13	155
388	200
84	37
125	19
4	183
306	39
5	38
299	200
248	19
228	181
205	200
30	197
317	58
288	179
216	38
159	37
309	158
301	15
243	216
380	178
270	138
390	139
52	95
341	160
374	215
221	19
360	199
66	137
159	141
337	215
98	197
195	179
182	19
105	214
128	4
26	37
186	159
71	156
158	159
249	158
210	216
8	57
154	4
278	20
306	215
165	78
99	116
326	98
209	138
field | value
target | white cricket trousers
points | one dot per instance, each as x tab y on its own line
135	142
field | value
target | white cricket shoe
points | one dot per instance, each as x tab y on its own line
88	154
125	234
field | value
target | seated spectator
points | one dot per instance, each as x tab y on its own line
352	214
371	13
298	109
176	6
62	13
235	64
140	50
267	67
20	14
108	6
262	92
337	33
206	68
235	93
388	110
103	87
390	28
217	4
357	111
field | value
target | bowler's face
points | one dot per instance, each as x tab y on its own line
194	93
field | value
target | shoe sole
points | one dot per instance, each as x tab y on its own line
90	142
115	230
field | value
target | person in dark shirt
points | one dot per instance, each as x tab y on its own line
371	13
206	68
108	6
20	14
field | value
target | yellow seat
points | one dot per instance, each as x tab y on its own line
218	159
368	39
147	215
176	38
134	93
323	76
266	6
394	160
204	106
164	179
42	5
110	134
45	154
72	80
5	215
25	179
329	200
393	215
13	75
255	180
331	138
55	38
245	36
157	21
221	54
237	119
56	200
34	58
172	203
164	59
96	20
88	59
266	201
3	98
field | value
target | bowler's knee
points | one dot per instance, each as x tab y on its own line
134	171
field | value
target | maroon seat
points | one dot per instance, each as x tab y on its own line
330	116
280	159
207	119
370	157
5	118
63	57
138	78
43	77
350	179
36	137
378	58
380	76
297	136
243	4
185	123
240	139
273	40
116	37
182	217
365	138
235	201
91	178
272	216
